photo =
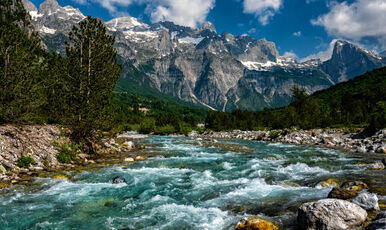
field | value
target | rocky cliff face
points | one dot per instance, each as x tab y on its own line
349	61
221	72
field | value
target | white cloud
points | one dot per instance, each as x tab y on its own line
360	19
252	31
290	54
297	34
263	9
183	12
323	55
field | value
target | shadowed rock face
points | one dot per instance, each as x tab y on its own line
221	72
349	61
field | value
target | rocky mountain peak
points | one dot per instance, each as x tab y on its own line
126	23
29	6
383	53
49	7
208	26
349	60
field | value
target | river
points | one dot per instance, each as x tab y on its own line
185	186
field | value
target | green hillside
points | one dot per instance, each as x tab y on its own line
360	102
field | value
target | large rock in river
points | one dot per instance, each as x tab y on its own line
255	223
368	201
341	193
330	214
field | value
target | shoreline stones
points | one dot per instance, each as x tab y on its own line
332	138
330	214
42	143
255	223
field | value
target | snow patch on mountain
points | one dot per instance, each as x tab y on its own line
191	40
47	30
35	15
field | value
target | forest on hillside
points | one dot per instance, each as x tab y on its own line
360	102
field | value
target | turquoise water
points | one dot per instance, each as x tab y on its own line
185	186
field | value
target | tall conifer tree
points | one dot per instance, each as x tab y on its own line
93	73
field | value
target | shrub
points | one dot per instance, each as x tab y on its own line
165	130
274	134
147	126
68	153
25	162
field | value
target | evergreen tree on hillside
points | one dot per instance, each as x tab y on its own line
93	73
21	81
13	12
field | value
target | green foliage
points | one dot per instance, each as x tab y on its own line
67	153
93	73
274	134
147	126
164	130
25	162
13	12
21	75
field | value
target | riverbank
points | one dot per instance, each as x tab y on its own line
331	138
31	149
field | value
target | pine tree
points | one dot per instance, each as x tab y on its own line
92	75
21	81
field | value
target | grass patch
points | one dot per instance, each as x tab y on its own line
25	162
67	153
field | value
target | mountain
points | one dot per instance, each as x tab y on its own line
349	60
218	71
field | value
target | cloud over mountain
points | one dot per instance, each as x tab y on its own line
263	9
360	19
183	12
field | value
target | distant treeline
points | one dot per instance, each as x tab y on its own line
360	102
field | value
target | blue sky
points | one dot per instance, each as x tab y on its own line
298	27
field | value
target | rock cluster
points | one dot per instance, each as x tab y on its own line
338	213
41	143
34	141
336	138
379	223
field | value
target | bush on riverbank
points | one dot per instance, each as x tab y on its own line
25	162
67	153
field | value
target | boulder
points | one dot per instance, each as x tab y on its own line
330	183
368	201
376	166
330	214
379	223
128	145
118	180
255	223
129	159
354	185
343	194
140	158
